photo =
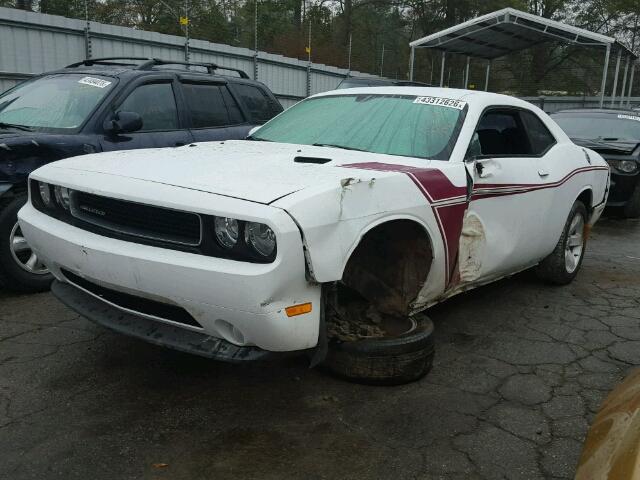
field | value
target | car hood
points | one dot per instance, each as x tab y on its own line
256	171
618	147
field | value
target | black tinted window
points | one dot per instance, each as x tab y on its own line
206	105
235	115
256	102
502	133
539	135
155	103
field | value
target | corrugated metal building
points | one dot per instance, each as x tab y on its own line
32	43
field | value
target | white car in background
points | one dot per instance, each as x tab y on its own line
330	228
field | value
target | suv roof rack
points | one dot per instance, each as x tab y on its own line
148	63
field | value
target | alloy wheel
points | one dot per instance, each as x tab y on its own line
575	243
22	253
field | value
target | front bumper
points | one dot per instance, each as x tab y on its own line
622	187
155	332
239	302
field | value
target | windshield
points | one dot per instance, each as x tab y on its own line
406	125
54	102
605	126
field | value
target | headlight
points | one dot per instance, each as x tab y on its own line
626	166
45	193
62	196
226	231
260	238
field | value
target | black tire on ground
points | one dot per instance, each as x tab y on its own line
554	269
387	360
12	276
632	207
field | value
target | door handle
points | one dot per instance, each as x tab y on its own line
542	172
179	144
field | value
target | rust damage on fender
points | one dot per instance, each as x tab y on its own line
390	266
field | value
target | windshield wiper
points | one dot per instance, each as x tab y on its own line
256	139
24	128
337	146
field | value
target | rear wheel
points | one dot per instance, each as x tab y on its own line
20	268
562	266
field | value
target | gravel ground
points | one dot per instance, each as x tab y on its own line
520	370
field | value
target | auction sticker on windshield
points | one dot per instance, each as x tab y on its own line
630	117
94	82
441	101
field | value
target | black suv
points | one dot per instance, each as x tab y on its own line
107	104
614	134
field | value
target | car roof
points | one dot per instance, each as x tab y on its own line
611	111
452	93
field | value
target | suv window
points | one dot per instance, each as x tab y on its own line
539	135
211	105
256	101
501	132
156	104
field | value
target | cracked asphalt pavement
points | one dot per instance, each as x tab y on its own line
521	368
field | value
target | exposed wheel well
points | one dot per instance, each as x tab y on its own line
586	197
390	265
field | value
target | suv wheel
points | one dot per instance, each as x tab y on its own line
20	268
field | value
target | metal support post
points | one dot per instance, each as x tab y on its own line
615	78
603	85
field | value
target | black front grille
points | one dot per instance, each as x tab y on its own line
136	304
140	220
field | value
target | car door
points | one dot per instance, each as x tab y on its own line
508	201
212	111
154	99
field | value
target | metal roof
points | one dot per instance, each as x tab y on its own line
509	30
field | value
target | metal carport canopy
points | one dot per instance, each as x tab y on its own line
509	30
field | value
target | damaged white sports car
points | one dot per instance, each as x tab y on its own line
326	231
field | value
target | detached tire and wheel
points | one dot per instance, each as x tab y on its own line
562	266
20	268
389	360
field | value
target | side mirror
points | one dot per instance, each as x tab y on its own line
253	130
475	148
123	122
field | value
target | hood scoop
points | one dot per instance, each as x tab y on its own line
314	160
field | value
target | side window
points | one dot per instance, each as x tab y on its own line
539	135
156	104
501	132
256	102
206	105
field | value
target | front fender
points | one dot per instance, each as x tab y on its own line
334	219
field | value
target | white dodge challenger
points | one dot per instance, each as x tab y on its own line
327	231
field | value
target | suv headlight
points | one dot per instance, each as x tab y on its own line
626	166
260	238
